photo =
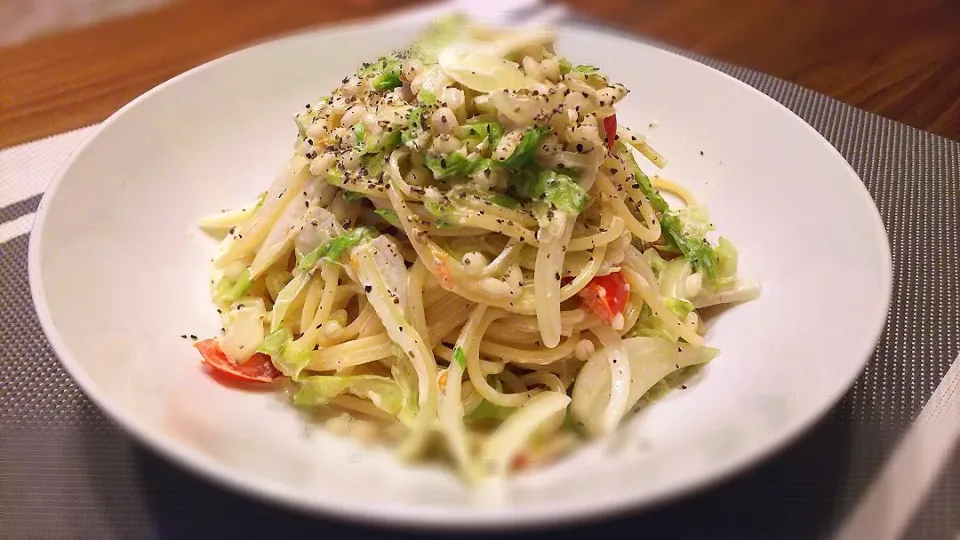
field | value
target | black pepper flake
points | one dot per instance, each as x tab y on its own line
193	337
184	336
316	347
367	288
701	152
579	147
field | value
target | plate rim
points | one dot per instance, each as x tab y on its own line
473	518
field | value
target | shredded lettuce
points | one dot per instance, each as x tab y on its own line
414	125
505	201
290	292
440	210
523	154
475	132
680	308
565	66
274	343
656	262
360	132
426	97
695	221
649	325
696	250
726	260
293	359
384	392
561	191
387	81
385	142
389	215
352	196
643	182
229	290
586	69
385	73
454	165
335	247
459	357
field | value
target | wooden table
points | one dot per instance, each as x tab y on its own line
897	59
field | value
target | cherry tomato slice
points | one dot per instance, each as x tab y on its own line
610	128
257	368
605	296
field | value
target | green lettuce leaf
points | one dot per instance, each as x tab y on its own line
586	69
387	81
459	357
643	181
454	165
414	125
649	325
275	342
726	260
505	201
229	290
475	132
696	250
561	191
426	97
389	215
334	248
292	359
384	392
523	154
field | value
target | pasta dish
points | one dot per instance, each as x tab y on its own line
464	255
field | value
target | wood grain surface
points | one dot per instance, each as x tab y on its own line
897	59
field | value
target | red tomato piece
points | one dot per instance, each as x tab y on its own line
605	296
610	128
257	368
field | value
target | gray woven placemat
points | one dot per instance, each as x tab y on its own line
67	471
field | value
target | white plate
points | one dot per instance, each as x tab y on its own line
119	272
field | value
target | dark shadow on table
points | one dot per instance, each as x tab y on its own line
793	495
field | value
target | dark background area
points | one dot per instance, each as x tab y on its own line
898	59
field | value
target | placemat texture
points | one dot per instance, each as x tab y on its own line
67	471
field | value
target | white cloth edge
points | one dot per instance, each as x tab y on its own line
895	496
